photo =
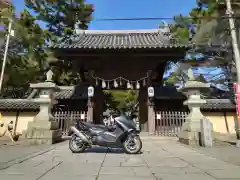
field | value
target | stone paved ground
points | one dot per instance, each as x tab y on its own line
17	151
224	151
161	159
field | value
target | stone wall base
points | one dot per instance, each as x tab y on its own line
52	125
190	138
151	133
43	136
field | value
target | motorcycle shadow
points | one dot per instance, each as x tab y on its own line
106	150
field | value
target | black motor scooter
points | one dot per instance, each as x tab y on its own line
122	135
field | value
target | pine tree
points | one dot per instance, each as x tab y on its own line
61	16
26	56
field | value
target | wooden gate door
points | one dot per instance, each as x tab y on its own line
169	123
66	119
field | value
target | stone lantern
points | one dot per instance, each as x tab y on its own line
190	132
44	129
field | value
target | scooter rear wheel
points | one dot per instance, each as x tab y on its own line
132	144
76	145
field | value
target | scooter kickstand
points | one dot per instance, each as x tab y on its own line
108	150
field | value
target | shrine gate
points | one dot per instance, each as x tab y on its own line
120	59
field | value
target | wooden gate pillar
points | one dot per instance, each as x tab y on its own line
151	113
90	103
90	110
151	117
143	109
98	105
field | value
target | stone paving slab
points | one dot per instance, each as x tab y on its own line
175	171
224	151
114	177
10	155
186	177
225	173
69	177
163	159
77	169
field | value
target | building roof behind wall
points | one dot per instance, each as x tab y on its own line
219	104
66	92
80	93
213	104
18	104
72	92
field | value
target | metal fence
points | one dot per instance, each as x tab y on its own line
169	123
66	118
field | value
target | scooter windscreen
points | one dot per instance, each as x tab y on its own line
127	122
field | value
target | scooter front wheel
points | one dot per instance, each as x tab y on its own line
132	144
76	145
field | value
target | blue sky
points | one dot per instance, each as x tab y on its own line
131	9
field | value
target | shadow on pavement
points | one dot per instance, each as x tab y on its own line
106	150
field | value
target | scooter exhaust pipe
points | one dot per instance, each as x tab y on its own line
80	135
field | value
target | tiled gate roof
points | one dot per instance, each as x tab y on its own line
118	39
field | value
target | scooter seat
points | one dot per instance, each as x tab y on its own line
99	126
90	125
